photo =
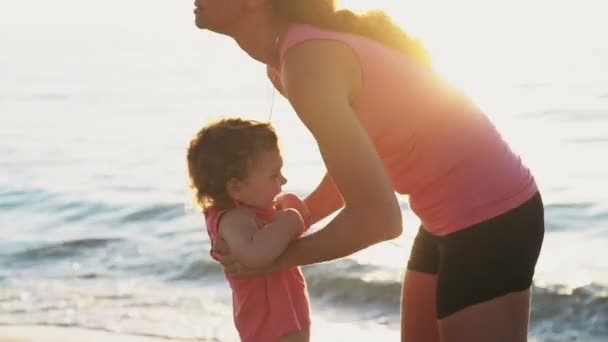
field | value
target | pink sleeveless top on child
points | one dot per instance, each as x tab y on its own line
264	307
436	145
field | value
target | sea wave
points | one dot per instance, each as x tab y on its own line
62	249
139	306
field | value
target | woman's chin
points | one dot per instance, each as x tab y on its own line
198	21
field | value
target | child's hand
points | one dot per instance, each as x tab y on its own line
289	200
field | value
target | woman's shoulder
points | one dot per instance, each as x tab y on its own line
318	63
296	34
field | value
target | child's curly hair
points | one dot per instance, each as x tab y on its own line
221	151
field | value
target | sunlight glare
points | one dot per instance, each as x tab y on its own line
481	45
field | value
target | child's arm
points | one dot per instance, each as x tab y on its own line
254	247
290	200
324	200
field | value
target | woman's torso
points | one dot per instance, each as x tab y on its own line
436	145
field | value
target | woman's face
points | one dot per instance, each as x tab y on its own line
218	15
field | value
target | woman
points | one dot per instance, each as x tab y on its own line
359	83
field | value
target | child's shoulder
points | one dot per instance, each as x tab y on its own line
237	217
232	211
228	217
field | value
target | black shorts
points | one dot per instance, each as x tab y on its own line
484	261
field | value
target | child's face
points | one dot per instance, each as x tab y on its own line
263	182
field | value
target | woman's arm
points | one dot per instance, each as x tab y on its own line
321	80
254	247
324	200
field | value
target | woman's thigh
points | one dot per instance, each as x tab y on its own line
502	319
418	296
485	275
418	302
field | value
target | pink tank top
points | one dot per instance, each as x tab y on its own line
269	306
436	145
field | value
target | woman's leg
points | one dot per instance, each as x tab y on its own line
485	275
418	312
418	296
502	319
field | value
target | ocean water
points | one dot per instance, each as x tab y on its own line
97	105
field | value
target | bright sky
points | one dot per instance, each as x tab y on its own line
474	42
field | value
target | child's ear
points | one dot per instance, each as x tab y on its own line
233	188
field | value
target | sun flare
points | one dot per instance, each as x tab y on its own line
483	46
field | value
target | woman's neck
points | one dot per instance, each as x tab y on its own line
258	36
